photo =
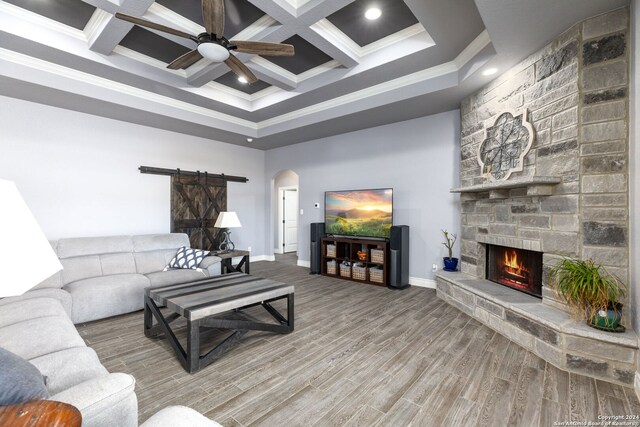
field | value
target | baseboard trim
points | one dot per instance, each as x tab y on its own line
302	263
422	283
256	258
636	384
278	251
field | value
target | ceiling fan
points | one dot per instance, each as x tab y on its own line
213	45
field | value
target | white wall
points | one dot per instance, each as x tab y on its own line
418	158
79	173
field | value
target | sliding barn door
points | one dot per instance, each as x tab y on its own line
196	202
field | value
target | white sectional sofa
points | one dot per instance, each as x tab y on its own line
102	277
106	276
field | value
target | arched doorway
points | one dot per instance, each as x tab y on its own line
286	213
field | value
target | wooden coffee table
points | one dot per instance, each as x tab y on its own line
200	301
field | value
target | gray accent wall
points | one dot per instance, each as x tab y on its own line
418	158
79	173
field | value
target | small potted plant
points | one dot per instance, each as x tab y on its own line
450	263
590	291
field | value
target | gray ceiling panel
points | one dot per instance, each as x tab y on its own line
74	13
153	45
231	80
307	56
350	20
238	16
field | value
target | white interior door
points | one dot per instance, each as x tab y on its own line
290	220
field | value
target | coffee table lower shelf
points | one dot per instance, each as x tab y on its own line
199	301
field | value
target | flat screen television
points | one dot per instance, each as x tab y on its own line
359	213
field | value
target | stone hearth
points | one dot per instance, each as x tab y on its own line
546	331
569	200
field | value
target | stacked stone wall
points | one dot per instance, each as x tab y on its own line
575	91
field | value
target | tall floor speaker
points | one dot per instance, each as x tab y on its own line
317	233
399	257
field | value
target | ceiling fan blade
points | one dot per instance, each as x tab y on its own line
240	69
186	60
213	15
264	48
153	25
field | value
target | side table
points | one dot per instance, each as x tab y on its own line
227	261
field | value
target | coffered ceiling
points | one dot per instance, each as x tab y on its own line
420	57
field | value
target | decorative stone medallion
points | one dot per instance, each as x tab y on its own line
505	145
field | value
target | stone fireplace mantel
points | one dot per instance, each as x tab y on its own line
522	182
548	332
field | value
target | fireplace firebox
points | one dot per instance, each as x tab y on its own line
519	269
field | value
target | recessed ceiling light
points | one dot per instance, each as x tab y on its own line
373	13
489	71
243	80
249	139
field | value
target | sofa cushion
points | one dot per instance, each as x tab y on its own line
152	261
18	309
83	246
154	242
43	335
187	258
20	381
58	294
78	268
67	368
117	264
106	296
171	277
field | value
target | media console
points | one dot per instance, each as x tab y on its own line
371	267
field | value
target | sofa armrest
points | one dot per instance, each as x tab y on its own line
179	416
60	294
104	399
212	265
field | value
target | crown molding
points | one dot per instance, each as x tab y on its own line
334	35
34	18
86	78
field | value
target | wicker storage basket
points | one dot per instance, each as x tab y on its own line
331	267
345	270
377	256
375	275
331	251
359	273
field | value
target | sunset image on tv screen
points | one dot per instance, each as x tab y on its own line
366	213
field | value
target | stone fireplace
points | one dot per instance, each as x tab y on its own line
515	268
566	195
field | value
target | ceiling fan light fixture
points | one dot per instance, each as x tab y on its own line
243	80
373	13
213	51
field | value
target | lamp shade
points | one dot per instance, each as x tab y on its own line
227	220
26	257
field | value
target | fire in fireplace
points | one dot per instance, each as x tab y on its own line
516	268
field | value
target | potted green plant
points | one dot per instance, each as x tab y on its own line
590	291
450	263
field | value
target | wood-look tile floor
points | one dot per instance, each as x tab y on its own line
360	356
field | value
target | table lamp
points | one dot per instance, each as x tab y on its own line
227	220
26	257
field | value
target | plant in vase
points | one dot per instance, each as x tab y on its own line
450	263
590	291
